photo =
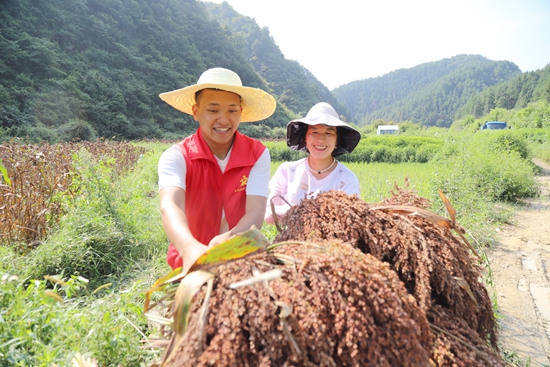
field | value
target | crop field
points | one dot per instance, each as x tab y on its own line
41	176
81	239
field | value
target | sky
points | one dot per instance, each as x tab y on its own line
346	40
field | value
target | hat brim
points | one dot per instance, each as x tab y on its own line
296	130
257	104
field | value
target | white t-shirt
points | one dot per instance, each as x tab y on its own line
172	171
294	181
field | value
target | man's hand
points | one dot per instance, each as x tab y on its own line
192	252
219	239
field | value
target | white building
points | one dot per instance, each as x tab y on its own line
387	129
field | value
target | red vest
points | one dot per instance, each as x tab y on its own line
208	190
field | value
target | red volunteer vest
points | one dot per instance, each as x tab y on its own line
208	190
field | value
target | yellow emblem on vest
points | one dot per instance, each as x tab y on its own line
243	181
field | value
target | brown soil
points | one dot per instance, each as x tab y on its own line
519	265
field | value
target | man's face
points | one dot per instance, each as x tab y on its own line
219	115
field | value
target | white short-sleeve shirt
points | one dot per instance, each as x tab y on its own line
172	171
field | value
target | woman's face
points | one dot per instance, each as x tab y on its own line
321	140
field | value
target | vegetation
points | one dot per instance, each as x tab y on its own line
92	300
372	149
295	87
86	69
31	213
47	323
429	94
516	93
81	235
81	69
109	238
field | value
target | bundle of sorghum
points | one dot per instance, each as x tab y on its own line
436	266
361	285
345	309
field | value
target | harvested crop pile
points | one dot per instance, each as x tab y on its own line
434	265
360	285
456	344
348	309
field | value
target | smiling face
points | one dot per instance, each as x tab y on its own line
219	115
321	141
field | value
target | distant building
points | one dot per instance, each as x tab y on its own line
387	129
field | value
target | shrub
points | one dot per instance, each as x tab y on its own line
75	130
502	140
476	166
36	134
387	149
280	152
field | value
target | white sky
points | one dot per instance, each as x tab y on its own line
346	40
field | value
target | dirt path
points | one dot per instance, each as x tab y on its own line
520	264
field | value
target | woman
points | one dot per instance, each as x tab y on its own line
324	136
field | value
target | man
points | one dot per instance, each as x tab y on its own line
214	183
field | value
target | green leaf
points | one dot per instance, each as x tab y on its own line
187	289
4	172
160	284
234	248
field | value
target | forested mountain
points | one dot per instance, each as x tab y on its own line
515	93
79	67
88	68
293	84
429	93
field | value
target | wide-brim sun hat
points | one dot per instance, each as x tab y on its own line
322	114
257	105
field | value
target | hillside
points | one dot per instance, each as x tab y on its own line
295	87
429	93
515	93
85	68
88	68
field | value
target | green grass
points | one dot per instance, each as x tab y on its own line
379	179
111	223
36	329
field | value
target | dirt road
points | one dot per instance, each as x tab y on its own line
520	266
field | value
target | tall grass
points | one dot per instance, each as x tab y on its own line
111	236
114	221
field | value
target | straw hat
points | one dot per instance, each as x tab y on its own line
257	104
322	114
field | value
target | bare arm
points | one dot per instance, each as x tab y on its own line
254	216
176	226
